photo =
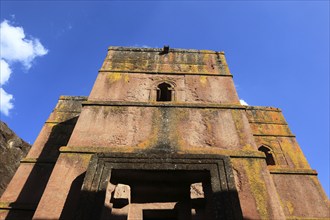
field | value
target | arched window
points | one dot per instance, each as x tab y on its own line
164	92
269	156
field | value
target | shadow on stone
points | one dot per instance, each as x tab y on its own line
221	213
72	198
36	182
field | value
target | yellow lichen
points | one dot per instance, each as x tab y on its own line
203	79
289	207
113	77
224	63
207	51
248	147
82	159
289	146
126	78
152	139
238	120
257	186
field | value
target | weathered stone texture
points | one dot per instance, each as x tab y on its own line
31	178
296	193
12	150
295	182
115	126
149	60
117	86
65	182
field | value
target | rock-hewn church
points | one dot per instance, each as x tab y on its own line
163	135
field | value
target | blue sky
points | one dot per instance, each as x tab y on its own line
278	52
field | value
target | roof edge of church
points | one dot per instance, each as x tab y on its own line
149	49
264	108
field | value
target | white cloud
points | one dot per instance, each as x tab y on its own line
5	102
15	48
243	102
5	72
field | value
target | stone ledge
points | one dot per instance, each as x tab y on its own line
39	160
64	111
17	206
167	73
306	218
74	98
269	122
147	49
52	122
275	135
162	104
134	149
61	122
263	108
275	170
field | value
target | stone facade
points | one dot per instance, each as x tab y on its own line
163	135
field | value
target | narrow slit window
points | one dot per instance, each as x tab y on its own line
269	156
164	92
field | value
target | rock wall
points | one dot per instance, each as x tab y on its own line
12	150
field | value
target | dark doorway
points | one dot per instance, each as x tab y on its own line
196	187
156	190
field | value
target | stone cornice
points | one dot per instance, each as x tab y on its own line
178	50
39	160
18	206
274	135
165	73
134	149
163	104
276	170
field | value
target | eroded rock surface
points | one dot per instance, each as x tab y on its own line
12	150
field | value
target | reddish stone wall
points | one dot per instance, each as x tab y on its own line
301	195
297	186
149	60
116	86
139	127
133	75
23	193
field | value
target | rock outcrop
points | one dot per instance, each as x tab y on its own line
12	150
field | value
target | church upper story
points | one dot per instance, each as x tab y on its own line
165	60
164	75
